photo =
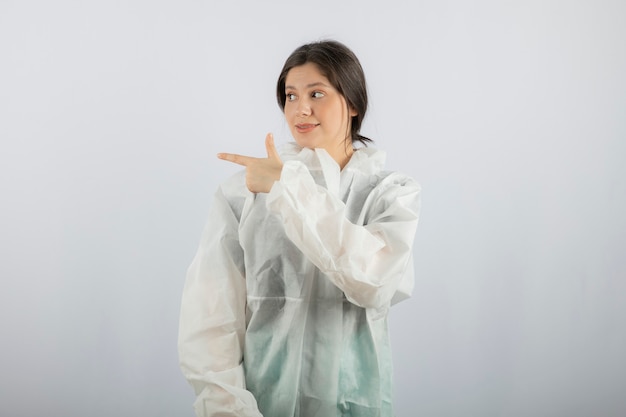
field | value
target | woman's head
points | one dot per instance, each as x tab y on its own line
342	70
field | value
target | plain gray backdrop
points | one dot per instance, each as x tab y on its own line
511	114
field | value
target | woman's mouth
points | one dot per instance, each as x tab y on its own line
306	127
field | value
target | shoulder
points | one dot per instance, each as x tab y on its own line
233	193
383	184
235	185
371	162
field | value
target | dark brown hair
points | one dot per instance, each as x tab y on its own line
342	68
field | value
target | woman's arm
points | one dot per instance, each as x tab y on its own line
212	320
368	263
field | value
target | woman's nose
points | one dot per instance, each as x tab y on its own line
303	109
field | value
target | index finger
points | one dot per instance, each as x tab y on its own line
237	159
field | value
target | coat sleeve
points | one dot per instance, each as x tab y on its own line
371	264
212	320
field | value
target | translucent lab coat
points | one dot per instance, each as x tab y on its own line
284	310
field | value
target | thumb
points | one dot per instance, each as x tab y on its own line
272	153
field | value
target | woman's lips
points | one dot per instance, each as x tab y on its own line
306	127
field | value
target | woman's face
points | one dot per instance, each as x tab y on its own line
316	113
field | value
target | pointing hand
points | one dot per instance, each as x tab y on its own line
261	173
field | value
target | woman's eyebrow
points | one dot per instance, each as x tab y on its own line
316	84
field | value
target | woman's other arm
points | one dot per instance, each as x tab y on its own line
212	320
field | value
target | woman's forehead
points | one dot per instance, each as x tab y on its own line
306	75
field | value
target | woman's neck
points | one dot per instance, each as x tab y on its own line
342	154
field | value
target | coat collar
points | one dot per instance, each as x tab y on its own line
366	160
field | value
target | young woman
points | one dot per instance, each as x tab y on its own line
284	311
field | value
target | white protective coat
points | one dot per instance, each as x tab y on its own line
285	305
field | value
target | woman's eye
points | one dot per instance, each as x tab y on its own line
317	94
290	97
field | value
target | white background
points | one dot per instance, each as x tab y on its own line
511	114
